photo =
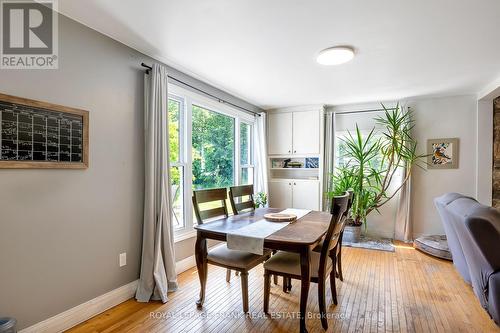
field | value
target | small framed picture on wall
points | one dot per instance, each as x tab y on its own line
442	153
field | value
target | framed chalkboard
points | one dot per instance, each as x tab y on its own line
36	134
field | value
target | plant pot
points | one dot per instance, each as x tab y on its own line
352	234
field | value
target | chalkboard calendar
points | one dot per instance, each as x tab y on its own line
36	134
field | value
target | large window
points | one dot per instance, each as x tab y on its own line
213	149
246	157
210	146
175	126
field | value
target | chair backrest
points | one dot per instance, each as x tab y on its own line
211	195
239	192
337	221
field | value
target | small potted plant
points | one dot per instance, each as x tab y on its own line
260	200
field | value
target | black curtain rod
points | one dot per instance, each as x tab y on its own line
220	100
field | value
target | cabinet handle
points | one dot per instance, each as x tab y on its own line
289	183
294	151
294	184
289	151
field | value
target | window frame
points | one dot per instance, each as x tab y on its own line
191	98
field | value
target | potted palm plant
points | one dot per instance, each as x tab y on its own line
372	162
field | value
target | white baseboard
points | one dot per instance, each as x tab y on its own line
185	264
87	310
82	312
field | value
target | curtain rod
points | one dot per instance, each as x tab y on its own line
361	111
220	100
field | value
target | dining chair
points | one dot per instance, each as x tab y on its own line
336	252
236	196
287	264
239	261
242	191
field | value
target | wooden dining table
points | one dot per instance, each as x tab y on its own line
300	237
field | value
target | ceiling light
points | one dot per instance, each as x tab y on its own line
335	55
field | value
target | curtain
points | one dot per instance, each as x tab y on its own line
329	156
260	156
158	261
403	226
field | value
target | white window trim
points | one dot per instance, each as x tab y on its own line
191	98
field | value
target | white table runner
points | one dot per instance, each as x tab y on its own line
250	238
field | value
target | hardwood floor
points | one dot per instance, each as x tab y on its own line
404	291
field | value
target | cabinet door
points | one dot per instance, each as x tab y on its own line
306	136
280	194
306	195
280	133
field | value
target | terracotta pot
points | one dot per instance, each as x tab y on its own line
352	234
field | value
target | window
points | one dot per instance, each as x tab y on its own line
246	157
210	146
213	149
177	181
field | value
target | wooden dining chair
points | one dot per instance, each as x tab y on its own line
236	196
287	264
336	252
239	261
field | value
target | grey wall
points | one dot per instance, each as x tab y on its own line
61	230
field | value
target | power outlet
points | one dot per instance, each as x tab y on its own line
123	259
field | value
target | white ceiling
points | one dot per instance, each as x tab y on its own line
264	51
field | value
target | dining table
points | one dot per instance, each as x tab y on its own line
301	237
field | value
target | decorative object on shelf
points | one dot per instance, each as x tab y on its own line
312	162
285	162
276	163
280	217
442	153
260	200
294	164
372	161
36	134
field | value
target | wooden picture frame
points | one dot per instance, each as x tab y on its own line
443	153
46	107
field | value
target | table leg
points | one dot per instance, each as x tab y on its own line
305	269
201	265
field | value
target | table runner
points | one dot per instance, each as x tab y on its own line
250	238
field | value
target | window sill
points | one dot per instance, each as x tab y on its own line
183	235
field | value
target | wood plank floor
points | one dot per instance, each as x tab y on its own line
404	291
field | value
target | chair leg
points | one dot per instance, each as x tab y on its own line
228	275
275	279
236	273
333	288
339	264
244	290
267	291
285	284
322	305
289	286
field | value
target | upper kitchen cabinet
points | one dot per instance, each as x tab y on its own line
305	132
294	132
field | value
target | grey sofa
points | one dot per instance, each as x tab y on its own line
473	233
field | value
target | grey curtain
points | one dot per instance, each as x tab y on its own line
260	155
329	156
158	261
403	226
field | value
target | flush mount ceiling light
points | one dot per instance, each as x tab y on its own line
335	55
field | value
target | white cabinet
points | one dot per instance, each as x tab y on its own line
280	133
305	194
295	132
306	132
280	194
301	194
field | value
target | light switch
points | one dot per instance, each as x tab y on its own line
123	259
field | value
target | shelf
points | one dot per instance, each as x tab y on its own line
294	168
